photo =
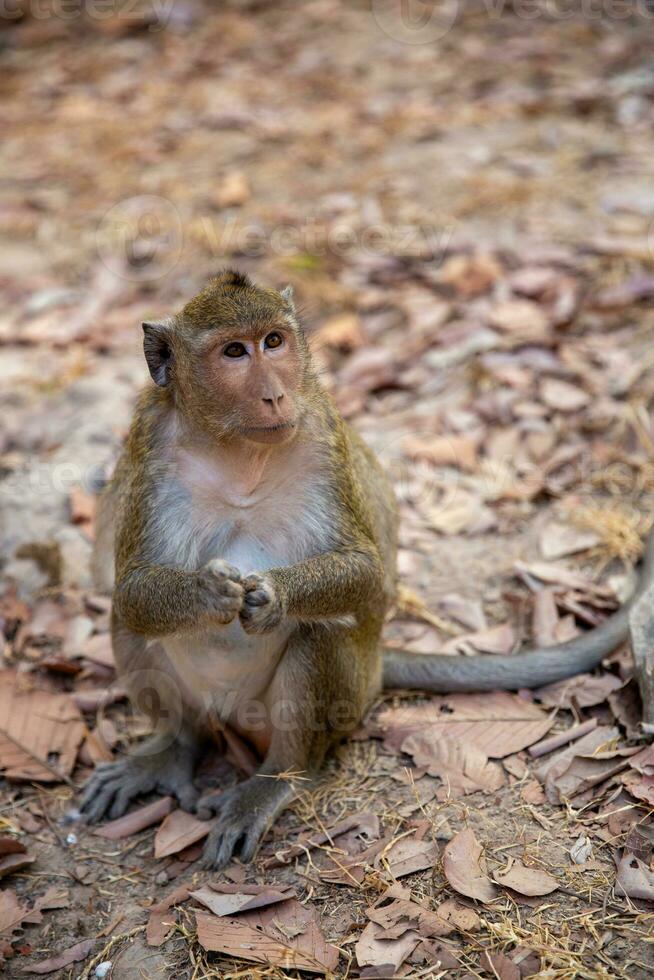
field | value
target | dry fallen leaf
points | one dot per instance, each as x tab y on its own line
287	935
634	878
37	727
582	850
178	831
342	332
380	956
137	820
13	856
465	867
455	450
500	966
498	723
162	916
73	955
526	881
558	540
463	768
224	899
561	396
409	855
586	690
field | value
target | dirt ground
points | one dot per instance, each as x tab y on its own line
467	218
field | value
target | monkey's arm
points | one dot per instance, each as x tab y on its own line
336	583
332	584
532	668
158	600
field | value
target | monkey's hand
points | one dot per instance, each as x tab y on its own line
221	591
263	607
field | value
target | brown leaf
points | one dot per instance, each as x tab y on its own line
526	881
137	820
465	867
586	689
520	316
73	955
287	935
562	396
463	768
493	639
364	824
178	831
409	855
342	332
532	793
462	918
545	618
223	899
498	723
500	966
558	540
14	861
634	878
35	727
382	957
161	917
642	787
12	913
468	612
458	451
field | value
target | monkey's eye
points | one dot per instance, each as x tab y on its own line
273	340
234	350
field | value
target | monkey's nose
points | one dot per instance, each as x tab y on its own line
273	402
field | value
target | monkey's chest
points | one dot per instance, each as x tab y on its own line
227	671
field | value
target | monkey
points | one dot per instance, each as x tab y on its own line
250	537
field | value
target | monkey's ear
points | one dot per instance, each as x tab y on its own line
158	351
287	296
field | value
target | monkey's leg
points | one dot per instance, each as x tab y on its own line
166	760
318	694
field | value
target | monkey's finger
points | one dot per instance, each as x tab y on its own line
98	808
210	805
94	786
219	849
232	589
222	569
252	582
252	841
127	792
187	797
257	598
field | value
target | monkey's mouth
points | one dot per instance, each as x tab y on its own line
280	427
270	433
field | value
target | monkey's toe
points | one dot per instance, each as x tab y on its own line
246	813
114	785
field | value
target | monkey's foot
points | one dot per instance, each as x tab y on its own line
156	765
245	814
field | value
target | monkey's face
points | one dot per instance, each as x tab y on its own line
235	360
251	379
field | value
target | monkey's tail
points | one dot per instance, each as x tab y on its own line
443	674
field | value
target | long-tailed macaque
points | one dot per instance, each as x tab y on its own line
253	536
